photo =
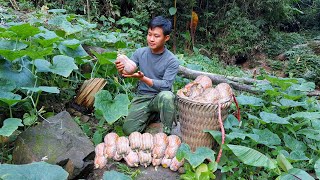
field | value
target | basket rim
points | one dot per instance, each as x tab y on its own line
199	103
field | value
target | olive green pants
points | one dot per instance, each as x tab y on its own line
143	106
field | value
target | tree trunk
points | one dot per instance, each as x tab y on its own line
241	84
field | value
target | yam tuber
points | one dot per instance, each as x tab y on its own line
173	146
160	139
117	157
166	162
135	140
156	162
210	95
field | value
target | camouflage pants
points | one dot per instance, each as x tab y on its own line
143	106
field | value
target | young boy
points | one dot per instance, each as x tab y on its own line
158	68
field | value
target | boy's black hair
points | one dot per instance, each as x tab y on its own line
161	22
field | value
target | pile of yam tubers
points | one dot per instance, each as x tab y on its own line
143	149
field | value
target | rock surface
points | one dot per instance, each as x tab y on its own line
58	141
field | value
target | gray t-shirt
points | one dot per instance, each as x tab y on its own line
161	68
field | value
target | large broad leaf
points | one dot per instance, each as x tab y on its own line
112	109
306	115
272	118
12	45
73	43
295	155
290	103
24	30
77	52
310	133
317	168
283	83
21	77
217	136
62	65
231	122
293	143
43	88
251	157
172	11
36	170
114	175
196	158
249	100
9	126
304	87
6	85
266	137
295	174
106	58
9	98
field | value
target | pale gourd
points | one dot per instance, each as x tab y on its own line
166	162
145	158
99	149
100	162
175	164
132	159
210	95
135	140
147	142
173	146
129	65
123	147
109	151
110	139
156	162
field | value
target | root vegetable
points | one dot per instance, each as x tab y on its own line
110	139
160	139
144	158
156	162
135	140
210	95
132	159
159	151
174	140
122	146
175	164
147	142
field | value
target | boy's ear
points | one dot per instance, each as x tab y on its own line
167	38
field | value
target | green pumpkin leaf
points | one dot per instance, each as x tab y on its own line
77	52
35	170
9	98
43	88
114	175
73	43
12	45
112	109
106	58
24	30
9	126
29	119
251	157
197	157
6	85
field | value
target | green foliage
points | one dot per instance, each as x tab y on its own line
31	171
115	175
279	42
9	126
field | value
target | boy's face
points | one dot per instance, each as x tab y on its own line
156	39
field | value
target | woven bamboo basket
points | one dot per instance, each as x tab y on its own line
195	117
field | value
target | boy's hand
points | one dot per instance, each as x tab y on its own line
119	66
138	75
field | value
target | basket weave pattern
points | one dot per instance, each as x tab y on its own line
195	117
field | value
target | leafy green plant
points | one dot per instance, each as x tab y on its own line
196	167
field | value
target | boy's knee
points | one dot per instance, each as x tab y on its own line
166	95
